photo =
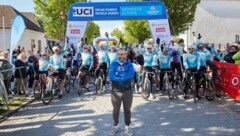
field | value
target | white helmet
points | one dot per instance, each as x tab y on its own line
55	48
192	46
176	47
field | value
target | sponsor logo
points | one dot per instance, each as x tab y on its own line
83	11
75	31
235	81
153	8
159	30
75	26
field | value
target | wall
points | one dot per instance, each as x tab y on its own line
25	40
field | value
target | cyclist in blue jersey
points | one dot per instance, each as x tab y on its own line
43	67
147	66
103	61
165	65
56	61
112	54
191	63
203	61
87	62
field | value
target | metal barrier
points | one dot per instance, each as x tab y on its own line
3	90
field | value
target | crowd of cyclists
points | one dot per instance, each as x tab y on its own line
155	57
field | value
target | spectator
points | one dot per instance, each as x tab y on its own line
7	75
21	73
236	57
233	50
38	55
32	59
121	74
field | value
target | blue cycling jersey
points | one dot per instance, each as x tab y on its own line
87	57
191	60
164	60
43	64
155	60
148	57
102	54
56	61
203	57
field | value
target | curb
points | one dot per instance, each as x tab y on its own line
7	114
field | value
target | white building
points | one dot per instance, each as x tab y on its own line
217	21
33	37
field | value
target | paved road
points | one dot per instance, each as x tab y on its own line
91	115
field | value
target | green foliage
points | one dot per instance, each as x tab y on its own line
181	14
119	34
48	12
138	29
90	30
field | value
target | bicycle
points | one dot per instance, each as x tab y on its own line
82	81
192	85
167	85
38	85
209	87
67	82
147	85
218	83
99	85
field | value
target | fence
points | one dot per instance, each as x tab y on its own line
3	90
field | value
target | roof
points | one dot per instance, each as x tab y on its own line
222	8
29	18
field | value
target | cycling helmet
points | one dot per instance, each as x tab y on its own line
192	46
55	48
206	43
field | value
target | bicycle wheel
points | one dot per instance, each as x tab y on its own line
194	91
80	87
67	84
47	95
146	89
168	84
37	90
218	85
209	92
99	86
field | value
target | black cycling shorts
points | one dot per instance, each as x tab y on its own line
61	73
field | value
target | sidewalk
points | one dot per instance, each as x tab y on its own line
91	115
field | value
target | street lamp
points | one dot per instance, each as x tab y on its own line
63	17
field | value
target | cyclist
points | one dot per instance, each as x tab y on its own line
87	63
165	65
147	66
57	63
203	59
176	60
210	50
103	61
191	63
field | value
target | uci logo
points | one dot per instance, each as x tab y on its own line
83	11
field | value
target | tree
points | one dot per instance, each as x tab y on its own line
138	29
181	14
119	34
48	12
90	30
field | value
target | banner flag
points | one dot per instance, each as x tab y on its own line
230	76
160	29
17	29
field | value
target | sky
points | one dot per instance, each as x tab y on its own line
28	6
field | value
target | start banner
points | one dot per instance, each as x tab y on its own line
231	78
